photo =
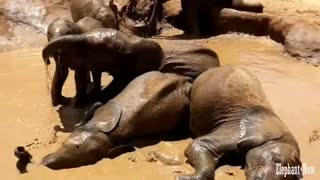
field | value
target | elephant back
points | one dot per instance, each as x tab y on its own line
187	59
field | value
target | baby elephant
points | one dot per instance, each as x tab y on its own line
104	50
230	115
59	28
124	57
154	103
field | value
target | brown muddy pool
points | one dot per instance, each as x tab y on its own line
27	118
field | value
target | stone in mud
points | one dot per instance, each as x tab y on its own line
303	41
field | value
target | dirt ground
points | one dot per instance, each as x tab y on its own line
28	119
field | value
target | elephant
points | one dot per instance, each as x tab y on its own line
102	10
101	50
116	52
58	28
153	104
197	12
231	117
141	17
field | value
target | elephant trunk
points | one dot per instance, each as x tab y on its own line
61	43
152	24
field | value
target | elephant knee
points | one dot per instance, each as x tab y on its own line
195	147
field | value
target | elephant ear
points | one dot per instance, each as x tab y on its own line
106	118
258	126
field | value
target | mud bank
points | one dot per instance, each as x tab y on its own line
24	23
300	39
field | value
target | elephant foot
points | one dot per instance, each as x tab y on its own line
61	100
192	35
190	177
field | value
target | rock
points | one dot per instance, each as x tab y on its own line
22	11
303	41
155	156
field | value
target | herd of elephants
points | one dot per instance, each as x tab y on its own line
161	89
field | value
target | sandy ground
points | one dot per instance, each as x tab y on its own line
28	118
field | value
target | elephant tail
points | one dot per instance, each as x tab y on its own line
57	45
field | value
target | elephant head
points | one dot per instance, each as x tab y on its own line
143	52
62	43
107	14
89	143
83	147
60	27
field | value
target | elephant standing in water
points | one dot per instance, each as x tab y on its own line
230	115
124	57
58	28
154	103
197	13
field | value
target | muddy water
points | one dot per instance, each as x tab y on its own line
28	119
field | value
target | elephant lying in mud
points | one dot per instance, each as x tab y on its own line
124	57
230	115
197	12
102	10
59	28
154	103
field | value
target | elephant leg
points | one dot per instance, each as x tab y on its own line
245	6
81	79
59	78
95	94
190	10
205	152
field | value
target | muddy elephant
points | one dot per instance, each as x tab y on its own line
58	28
154	103
197	12
140	17
102	10
124	57
104	50
231	117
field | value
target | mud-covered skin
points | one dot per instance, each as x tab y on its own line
102	10
57	28
107	50
154	103
187	59
88	24
195	11
60	27
230	115
115	52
